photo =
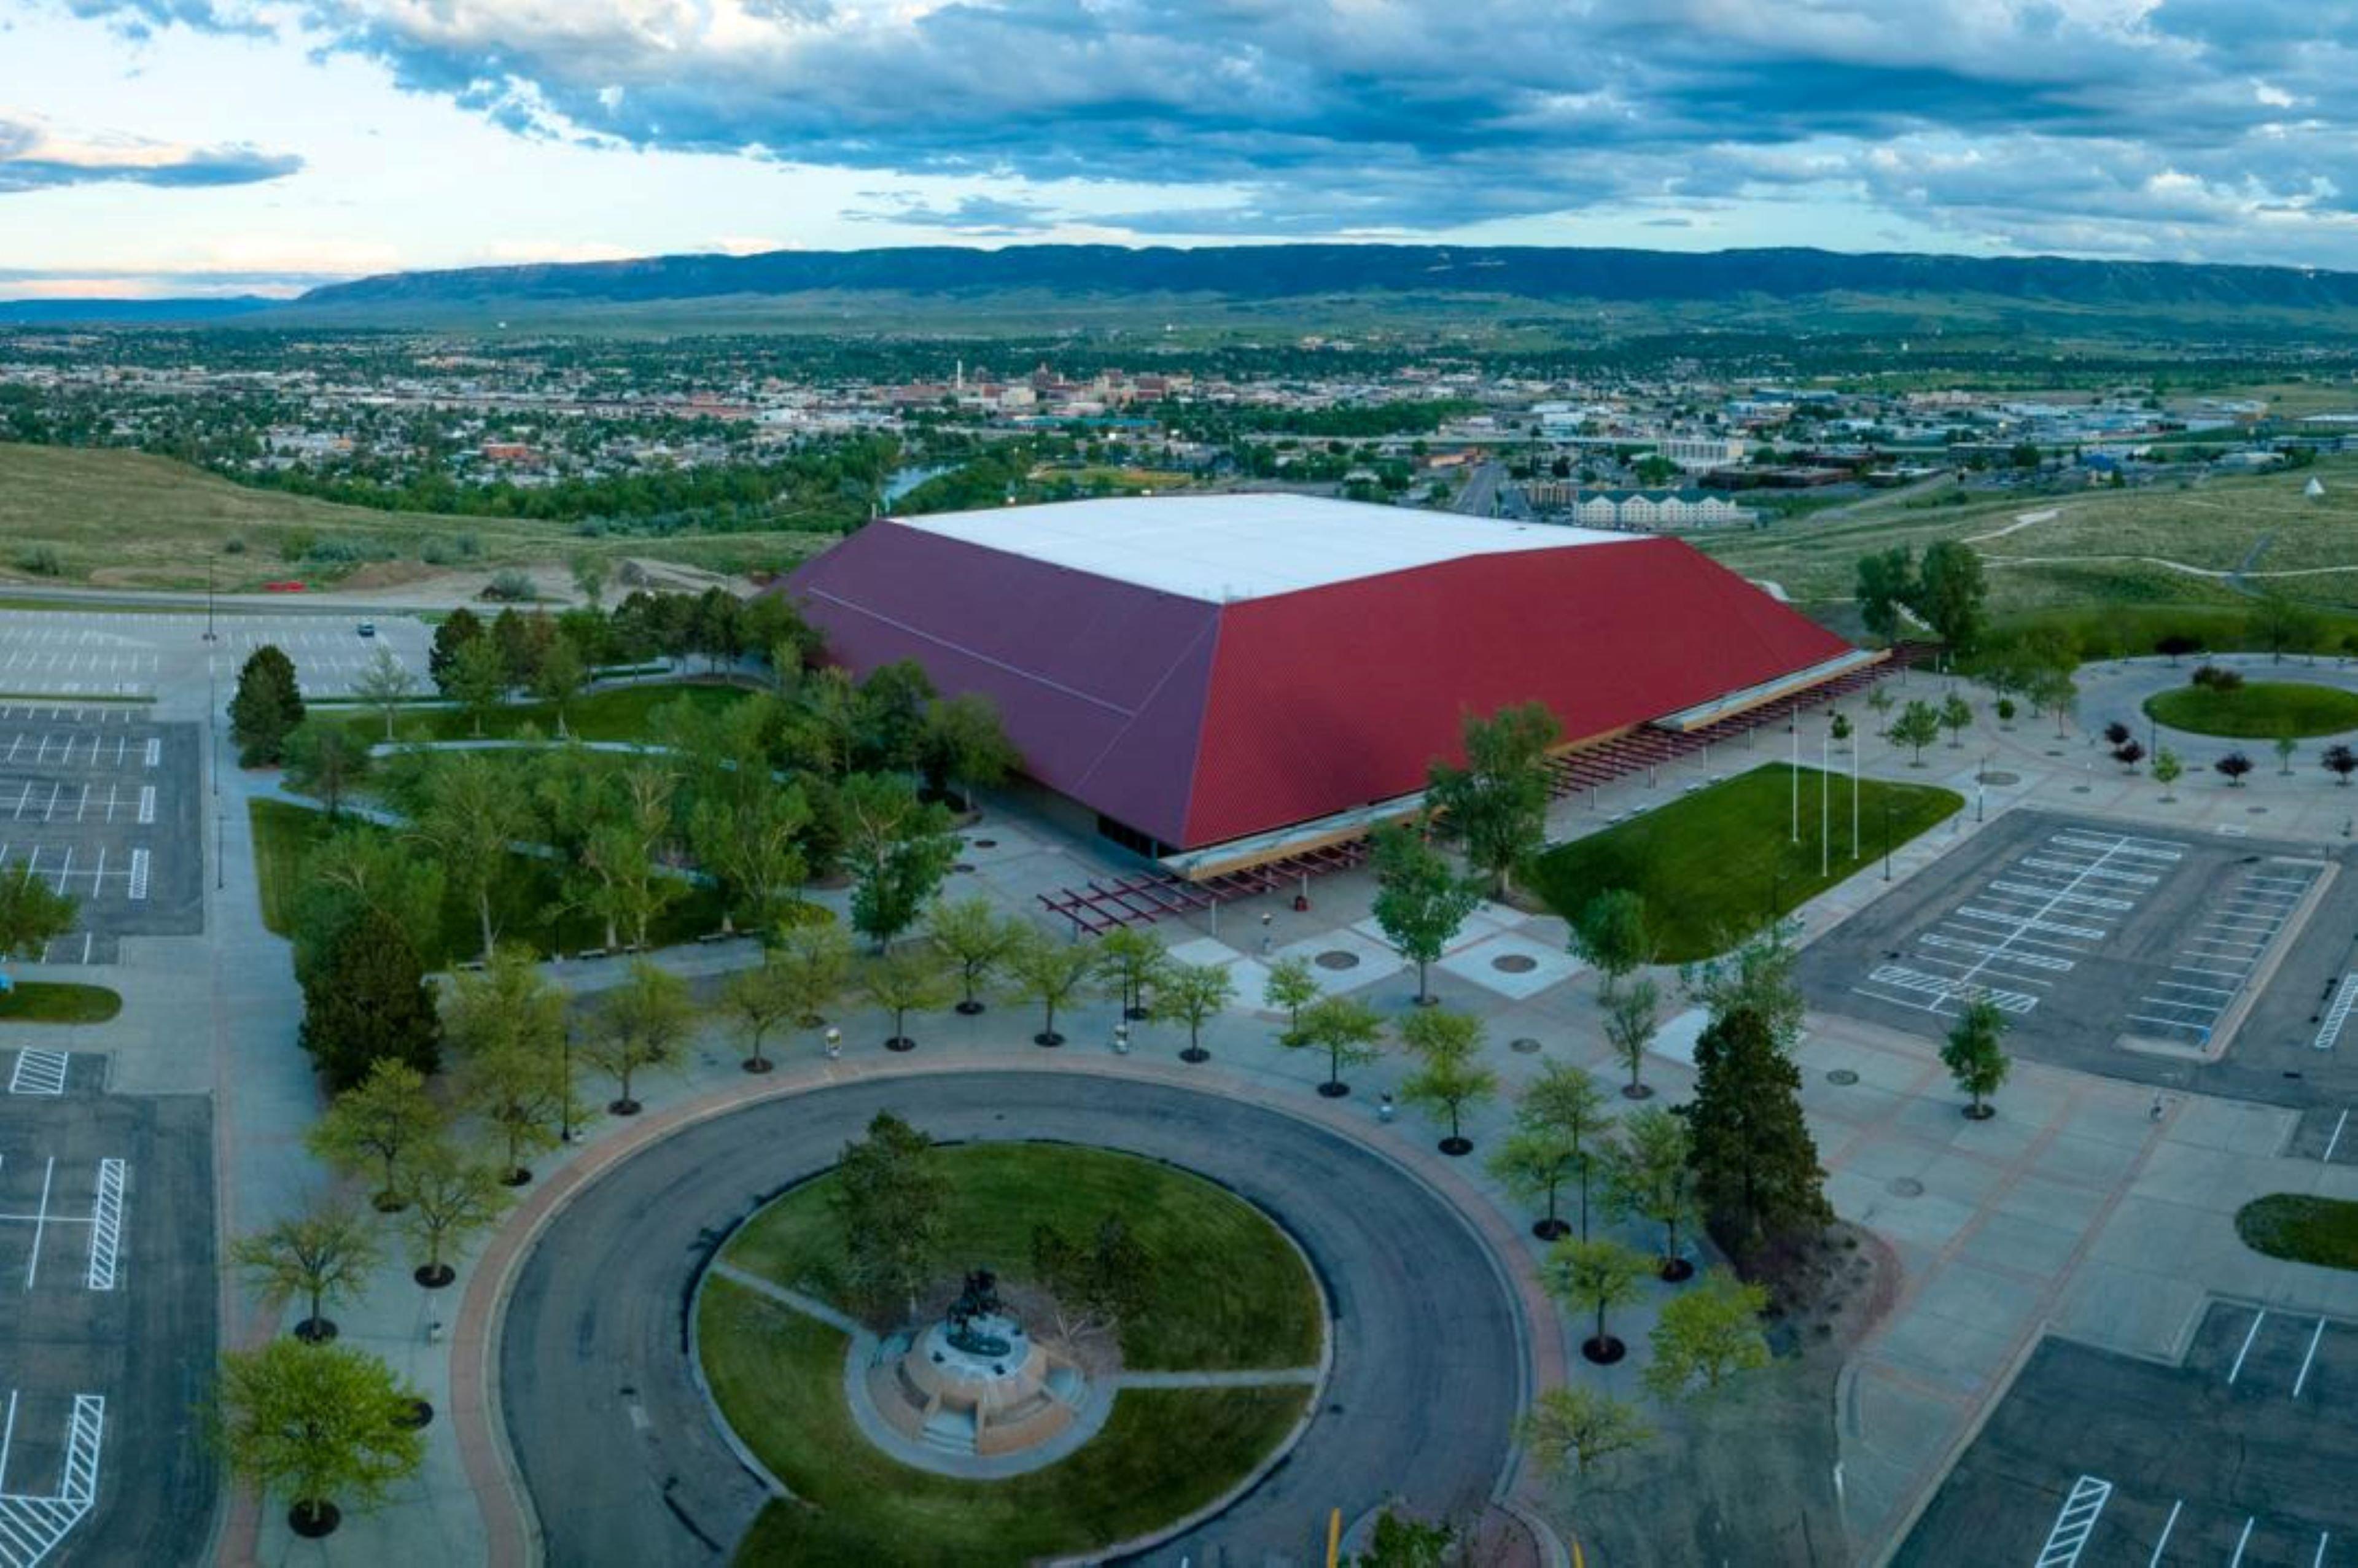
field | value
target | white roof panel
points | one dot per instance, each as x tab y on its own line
1221	548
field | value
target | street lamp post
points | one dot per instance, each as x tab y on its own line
1886	840
564	1102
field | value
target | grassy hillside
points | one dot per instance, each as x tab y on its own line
123	519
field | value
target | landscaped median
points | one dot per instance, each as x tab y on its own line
1227	1293
56	1001
1715	864
2302	1229
2258	710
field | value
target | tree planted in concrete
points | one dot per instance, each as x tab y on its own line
1706	1335
1975	1055
318	1423
1420	902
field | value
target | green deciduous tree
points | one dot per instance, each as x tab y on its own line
1131	961
469	811
557	678
1706	1334
1956	717
1346	1028
1975	1054
1533	1164
1451	1079
322	1255
905	980
1564	1100
1756	1174
266	708
1290	987
1630	1013
507	1026
1573	1431
961	747
1495	806
898	848
1599	1274
1420	902
323	760
1041	968
318	1423
1651	1175
1193	994
750	844
2282	627
2166	770
1098	1280
1887	580
758	1000
32	914
1918	726
458	629
384	686
478	681
975	939
377	1124
453	1195
367	1002
640	1023
889	1196
1951	595
1611	934
1757	974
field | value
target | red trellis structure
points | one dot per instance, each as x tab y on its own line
1097	907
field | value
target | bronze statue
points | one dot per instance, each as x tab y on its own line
980	1298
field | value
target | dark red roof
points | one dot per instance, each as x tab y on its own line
1198	722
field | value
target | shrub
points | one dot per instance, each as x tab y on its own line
233	545
2217	679
511	585
42	560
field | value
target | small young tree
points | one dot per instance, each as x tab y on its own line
1097	1282
322	1255
266	708
2287	748
384	686
1705	1335
1564	1100
1346	1028
478	681
1630	1015
1495	806
2233	767
1130	962
2005	710
1650	1177
507	1025
2166	771
1611	935
1451	1079
324	761
1573	1429
1956	717
1533	1164
1193	994
314	1423
640	1023
888	1198
1975	1055
757	1000
1042	969
1420	902
1918	726
907	980
1600	1274
1880	700
815	961
377	1124
558	678
451	1196
976	939
2129	754
2340	762
1292	986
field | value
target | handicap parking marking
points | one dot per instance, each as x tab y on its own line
105	1226
2075	1521
39	1072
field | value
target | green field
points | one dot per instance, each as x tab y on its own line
56	1001
1716	864
2258	710
620	714
779	1376
2304	1229
1257	1309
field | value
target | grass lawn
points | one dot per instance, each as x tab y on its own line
1715	864
621	714
1228	1290
56	1001
779	1376
2304	1230
2258	710
283	833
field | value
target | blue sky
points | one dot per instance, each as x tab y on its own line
226	146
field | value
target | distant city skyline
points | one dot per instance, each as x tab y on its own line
221	147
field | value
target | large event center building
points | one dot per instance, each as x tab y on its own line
1213	679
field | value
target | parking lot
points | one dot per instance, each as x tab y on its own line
130	654
102	804
2138	954
106	1342
2241	1456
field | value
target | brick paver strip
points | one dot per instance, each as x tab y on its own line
509	1530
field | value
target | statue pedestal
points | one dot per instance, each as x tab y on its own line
963	1400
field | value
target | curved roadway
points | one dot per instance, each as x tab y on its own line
626	1466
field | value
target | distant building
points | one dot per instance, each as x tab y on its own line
1698	453
1657	509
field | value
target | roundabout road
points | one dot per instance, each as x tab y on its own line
626	1464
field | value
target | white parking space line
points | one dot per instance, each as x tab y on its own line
2315	1335
2242	1541
2336	1141
2167	1526
2074	1522
147	805
39	1072
40	1223
155	752
2249	1335
2345	996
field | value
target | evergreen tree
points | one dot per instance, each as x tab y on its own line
460	627
266	708
1756	1172
888	1197
368	1001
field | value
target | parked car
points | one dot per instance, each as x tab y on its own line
288	587
368	628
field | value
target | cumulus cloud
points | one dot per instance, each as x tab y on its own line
34	157
1999	119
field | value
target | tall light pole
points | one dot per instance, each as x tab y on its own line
1825	805
1794	725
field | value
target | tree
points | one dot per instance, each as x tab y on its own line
1564	1100
2054	691
266	708
2166	771
589	574
385	1116
1573	1429
1346	1028
1495	806
1918	726
2281	626
899	849
316	1423
1705	1335
2129	754
1193	994
1950	594
2233	766
507	1024
1630	1020
961	747
322	1255
1602	1274
890	717
32	915
1879	700
2287	748
469	815
904	981
1290	987
640	1023
888	1197
1956	717
1759	976
757	1000
2340	762
1974	1055
1402	1541
1420	902
750	844
451	1196
557	678
460	627
1451	1080
817	963
1130	962
1650	1177
1887	580
1042	969
324	759
1610	932
1756	1174
384	685
368	1001
976	939
1533	1164
1097	1282
478	681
